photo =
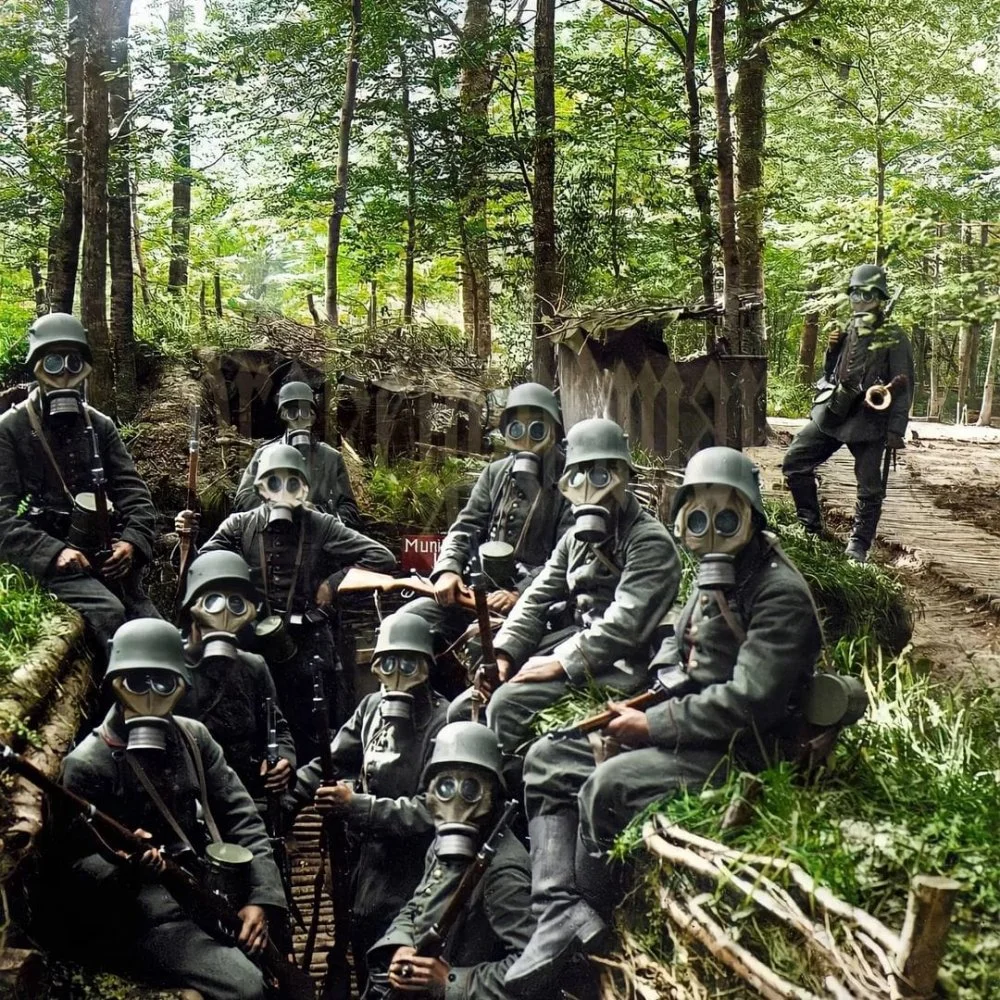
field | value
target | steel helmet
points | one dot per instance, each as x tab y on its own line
404	633
218	569
56	329
295	392
723	467
869	276
466	743
531	394
281	456
147	644
595	440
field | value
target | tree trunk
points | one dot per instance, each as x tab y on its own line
217	294
475	97
751	127
543	208
140	257
93	287
64	244
180	217
986	407
696	174
807	348
34	201
120	216
726	182
336	219
880	248
411	189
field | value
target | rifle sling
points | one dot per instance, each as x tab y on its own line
36	426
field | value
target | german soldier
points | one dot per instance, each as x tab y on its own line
854	408
297	557
165	777
464	793
48	469
745	650
329	485
379	755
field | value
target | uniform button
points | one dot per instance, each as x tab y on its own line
692	661
452	977
514	505
704	598
774	565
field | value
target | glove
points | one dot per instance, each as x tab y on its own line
894	442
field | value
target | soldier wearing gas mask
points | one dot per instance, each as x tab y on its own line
329	485
379	755
164	777
47	472
736	671
465	790
229	686
297	558
869	353
515	504
619	571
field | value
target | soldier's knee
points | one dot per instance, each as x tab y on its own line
540	761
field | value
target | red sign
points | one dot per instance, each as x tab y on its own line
420	552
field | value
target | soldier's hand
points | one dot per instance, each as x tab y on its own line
120	561
187	522
253	933
150	863
836	336
629	726
539	668
333	799
501	601
505	667
412	973
447	587
72	561
324	594
894	442
278	777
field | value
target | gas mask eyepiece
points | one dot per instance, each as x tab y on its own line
147	698
529	430
595	490
715	519
458	798
220	616
401	671
282	491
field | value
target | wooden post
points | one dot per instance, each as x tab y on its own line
311	301
925	930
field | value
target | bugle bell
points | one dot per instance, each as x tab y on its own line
879	397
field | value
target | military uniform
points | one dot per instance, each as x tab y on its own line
228	698
32	541
329	485
140	919
387	818
620	591
297	558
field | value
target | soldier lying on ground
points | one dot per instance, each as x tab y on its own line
48	521
746	648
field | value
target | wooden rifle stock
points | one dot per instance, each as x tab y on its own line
275	821
358	579
100	483
186	538
487	674
209	910
593	723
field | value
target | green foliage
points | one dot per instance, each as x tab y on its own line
411	492
171	327
27	614
786	395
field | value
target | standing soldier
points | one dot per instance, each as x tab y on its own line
379	755
619	570
516	501
864	403
165	778
329	484
464	792
49	481
228	686
746	649
297	558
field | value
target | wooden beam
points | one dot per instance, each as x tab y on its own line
925	931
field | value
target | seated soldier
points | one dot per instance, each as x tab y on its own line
619	569
516	501
329	485
747	641
49	524
164	777
230	687
381	751
465	792
297	558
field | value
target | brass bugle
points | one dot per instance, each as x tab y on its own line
879	397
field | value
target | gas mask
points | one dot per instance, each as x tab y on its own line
298	417
282	490
147	698
715	519
458	797
596	490
219	617
529	434
399	674
866	304
60	375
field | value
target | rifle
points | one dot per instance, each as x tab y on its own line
186	538
358	579
670	683
433	940
211	911
102	517
333	846
487	673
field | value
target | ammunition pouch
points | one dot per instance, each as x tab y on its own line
841	401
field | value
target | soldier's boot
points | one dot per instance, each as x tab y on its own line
806	499
565	922
866	515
